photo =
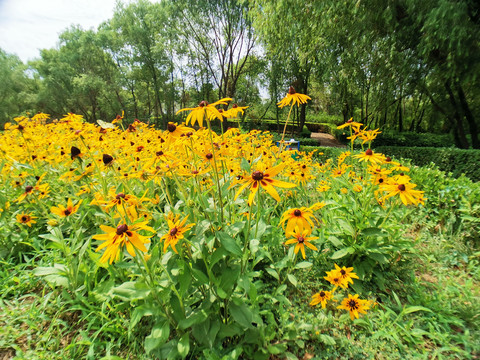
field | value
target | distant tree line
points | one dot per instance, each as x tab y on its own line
400	64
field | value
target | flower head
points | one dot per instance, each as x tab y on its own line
265	180
115	239
204	109
62	211
176	229
294	98
321	298
301	238
26	219
354	305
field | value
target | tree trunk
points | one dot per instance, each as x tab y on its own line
462	139
470	118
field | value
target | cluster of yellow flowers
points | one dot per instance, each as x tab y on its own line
341	277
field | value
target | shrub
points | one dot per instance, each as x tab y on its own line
455	161
389	138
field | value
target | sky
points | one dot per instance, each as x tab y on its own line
26	26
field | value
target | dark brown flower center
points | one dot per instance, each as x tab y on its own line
257	175
291	90
107	159
171	127
234	106
301	240
352	304
28	188
209	156
343	272
369	152
203	103
297	212
159	153
24	218
388	159
401	187
173	231
67	212
120	196
322	294
121	229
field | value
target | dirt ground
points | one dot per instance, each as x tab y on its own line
327	140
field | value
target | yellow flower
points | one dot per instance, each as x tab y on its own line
266	181
204	109
357	187
406	192
62	211
354	305
122	236
301	239
352	124
176	229
234	111
345	273
370	156
26	219
321	297
335	278
301	217
294	98
344	191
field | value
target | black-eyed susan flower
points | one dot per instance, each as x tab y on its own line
302	217
370	156
62	211
293	98
234	111
321	298
204	110
176	230
351	124
115	239
301	238
26	219
354	305
346	273
336	279
265	180
405	191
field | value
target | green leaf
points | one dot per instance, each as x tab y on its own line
158	336
303	265
378	257
292	279
241	314
197	318
230	244
183	346
374	231
412	309
273	273
200	276
341	253
131	290
254	243
346	227
327	340
244	165
335	241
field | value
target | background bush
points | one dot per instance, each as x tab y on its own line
451	160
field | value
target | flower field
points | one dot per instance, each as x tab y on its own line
139	243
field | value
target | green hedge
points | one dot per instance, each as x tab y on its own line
389	138
450	160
